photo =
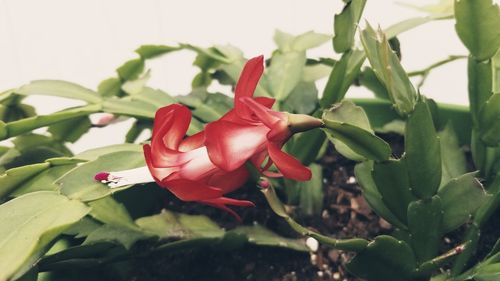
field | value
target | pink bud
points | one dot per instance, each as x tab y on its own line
102	176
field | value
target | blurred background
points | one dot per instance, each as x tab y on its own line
85	41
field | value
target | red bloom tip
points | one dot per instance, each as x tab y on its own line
264	183
102	176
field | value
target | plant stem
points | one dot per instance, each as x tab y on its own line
353	245
437	262
425	72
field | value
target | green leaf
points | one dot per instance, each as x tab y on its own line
108	211
60	89
80	183
388	69
391	179
345	25
285	73
342	76
496	73
131	69
259	235
83	227
489	272
29	224
370	81
308	40
207	107
14	177
171	225
453	163
441	8
307	146
155	97
128	107
477	26
460	198
116	235
480	86
422	152
110	87
424	223
134	87
489	127
359	140
349	113
363	173
31	148
70	130
384	259
93	154
152	51
28	124
44	180
303	98
405	25
316	71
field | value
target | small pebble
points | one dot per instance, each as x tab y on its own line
314	259
312	244
336	276
351	180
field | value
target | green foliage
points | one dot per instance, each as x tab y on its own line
29	224
488	120
460	198
345	25
60	89
393	183
453	162
357	139
342	76
363	172
423	152
426	193
388	69
384	259
477	26
424	224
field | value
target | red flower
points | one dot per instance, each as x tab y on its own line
183	165
252	131
209	164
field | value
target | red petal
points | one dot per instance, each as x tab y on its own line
157	173
265	101
187	190
265	115
170	126
181	117
249	78
290	167
230	145
192	142
223	201
229	181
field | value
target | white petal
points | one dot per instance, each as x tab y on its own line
132	176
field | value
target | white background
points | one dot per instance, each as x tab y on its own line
84	41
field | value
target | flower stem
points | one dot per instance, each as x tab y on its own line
353	245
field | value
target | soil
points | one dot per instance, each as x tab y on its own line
345	214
